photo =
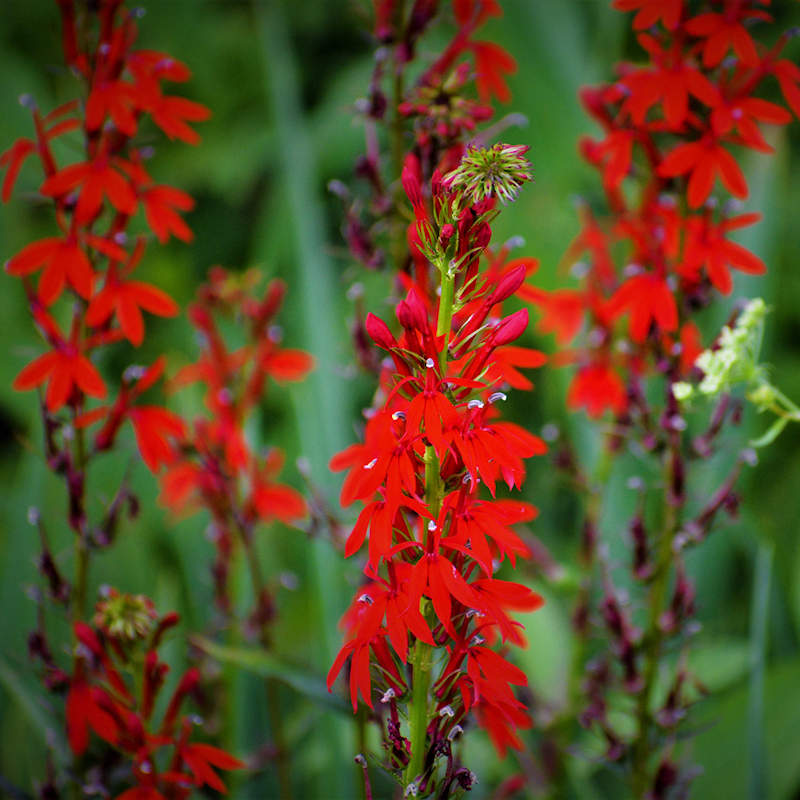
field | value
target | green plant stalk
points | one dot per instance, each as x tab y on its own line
418	713
421	660
653	639
281	760
81	542
445	321
563	725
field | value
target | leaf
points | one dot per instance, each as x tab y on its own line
42	721
772	433
265	664
722	749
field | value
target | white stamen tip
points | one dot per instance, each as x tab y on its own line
388	695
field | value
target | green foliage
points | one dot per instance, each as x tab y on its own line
259	178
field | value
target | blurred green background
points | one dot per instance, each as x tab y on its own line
281	79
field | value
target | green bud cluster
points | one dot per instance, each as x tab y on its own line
498	171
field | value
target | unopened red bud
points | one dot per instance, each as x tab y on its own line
510	328
411	312
379	332
446	234
509	284
482	236
410	178
88	638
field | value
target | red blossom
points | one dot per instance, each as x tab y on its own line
649	300
704	161
597	388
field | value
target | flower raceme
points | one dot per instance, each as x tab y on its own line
212	465
95	200
117	651
674	125
434	543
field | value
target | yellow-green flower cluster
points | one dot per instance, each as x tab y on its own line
735	360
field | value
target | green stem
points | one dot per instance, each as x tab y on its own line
654	636
445	320
281	759
421	659
81	541
421	664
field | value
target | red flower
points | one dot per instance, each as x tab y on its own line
649	300
200	758
171	115
597	388
492	62
723	32
95	179
125	299
562	311
668	12
64	261
154	427
670	80
707	246
273	500
742	114
160	203
66	370
704	160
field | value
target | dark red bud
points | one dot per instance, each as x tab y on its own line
379	332
483	236
412	185
446	234
510	328
508	284
411	312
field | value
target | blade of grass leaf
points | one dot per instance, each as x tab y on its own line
41	721
758	647
263	663
320	406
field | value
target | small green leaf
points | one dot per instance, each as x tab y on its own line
772	433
